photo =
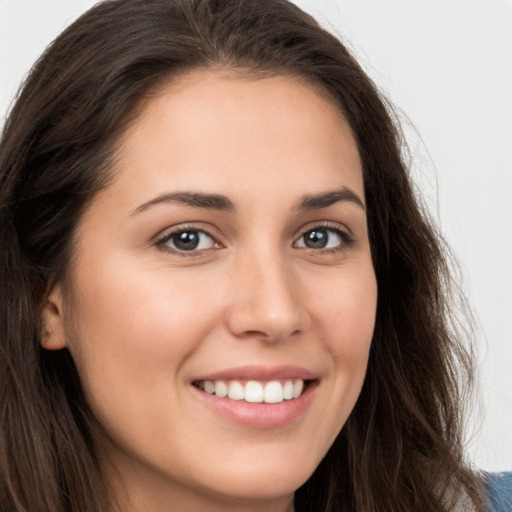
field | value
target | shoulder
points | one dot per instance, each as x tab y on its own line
498	490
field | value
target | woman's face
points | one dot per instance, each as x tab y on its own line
230	254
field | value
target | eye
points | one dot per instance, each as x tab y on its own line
188	240
324	238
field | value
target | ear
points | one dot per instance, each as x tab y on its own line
53	335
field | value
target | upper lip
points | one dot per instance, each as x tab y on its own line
260	373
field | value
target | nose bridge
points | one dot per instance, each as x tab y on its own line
265	302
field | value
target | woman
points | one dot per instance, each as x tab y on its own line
220	292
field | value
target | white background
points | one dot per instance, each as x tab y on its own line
447	66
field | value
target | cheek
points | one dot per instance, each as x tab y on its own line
347	317
136	328
347	313
136	332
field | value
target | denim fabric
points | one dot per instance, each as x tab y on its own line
498	487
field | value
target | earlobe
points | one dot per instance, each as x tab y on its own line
53	335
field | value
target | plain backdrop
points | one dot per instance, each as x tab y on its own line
447	66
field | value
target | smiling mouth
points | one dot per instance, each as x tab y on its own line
253	391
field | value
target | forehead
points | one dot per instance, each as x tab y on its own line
207	130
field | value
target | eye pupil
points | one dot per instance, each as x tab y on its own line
187	240
316	239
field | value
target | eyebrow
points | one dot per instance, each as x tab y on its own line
220	202
195	199
326	199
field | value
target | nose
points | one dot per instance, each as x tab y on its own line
267	302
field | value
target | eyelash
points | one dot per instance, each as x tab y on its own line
162	241
347	239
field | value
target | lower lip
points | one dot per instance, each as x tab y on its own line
260	415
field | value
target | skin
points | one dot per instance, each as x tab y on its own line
142	319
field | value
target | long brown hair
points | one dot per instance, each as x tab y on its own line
401	448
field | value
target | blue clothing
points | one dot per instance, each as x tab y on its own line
498	489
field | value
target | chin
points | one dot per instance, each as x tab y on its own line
262	479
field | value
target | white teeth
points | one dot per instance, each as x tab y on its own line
297	388
209	387
253	391
221	388
235	390
273	393
288	390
